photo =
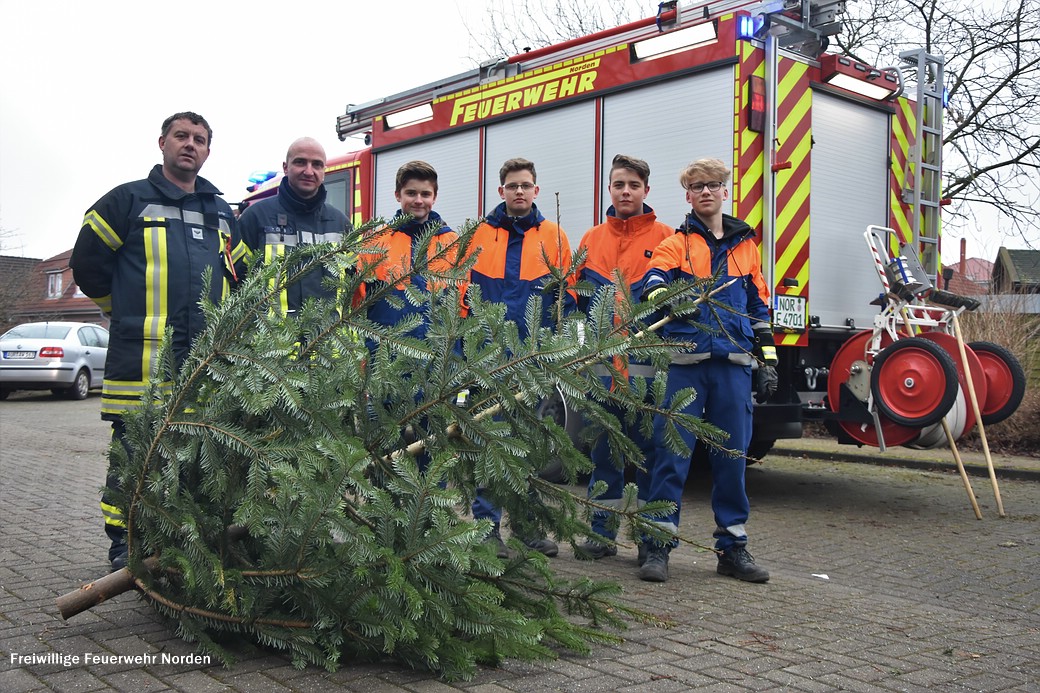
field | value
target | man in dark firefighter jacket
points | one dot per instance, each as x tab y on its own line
724	339
141	256
297	215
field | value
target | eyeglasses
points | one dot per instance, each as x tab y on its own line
713	186
513	187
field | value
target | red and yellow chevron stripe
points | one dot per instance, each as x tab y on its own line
794	145
904	125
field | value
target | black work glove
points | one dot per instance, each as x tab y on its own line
768	379
765	352
765	347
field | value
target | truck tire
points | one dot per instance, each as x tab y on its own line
553	408
758	449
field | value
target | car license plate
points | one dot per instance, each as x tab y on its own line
789	312
19	354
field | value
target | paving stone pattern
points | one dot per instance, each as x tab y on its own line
882	580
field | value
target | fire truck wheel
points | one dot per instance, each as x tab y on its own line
758	449
914	382
1005	381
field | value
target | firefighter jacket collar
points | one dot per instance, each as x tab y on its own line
632	226
172	192
300	205
204	190
500	220
414	228
733	230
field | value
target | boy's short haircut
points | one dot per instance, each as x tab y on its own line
714	169
416	170
516	165
636	166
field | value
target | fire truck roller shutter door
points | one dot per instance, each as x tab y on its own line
456	160
561	143
664	138
849	190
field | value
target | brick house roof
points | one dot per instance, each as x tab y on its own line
973	281
1017	271
53	294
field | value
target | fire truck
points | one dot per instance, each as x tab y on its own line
821	147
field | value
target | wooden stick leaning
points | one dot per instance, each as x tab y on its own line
905	312
960	469
978	413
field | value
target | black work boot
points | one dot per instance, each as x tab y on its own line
544	546
117	553
737	562
655	568
494	538
595	550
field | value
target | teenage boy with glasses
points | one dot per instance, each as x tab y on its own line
724	340
512	245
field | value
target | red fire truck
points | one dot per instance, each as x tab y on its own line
821	147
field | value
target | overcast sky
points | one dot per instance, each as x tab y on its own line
85	86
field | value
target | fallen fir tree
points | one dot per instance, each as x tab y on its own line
276	493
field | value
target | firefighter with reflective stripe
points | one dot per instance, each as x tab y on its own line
617	252
512	245
723	340
141	255
297	215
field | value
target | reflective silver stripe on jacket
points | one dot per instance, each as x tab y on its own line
691	359
302	238
188	217
638	370
685	359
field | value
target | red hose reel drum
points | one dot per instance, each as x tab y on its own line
848	366
913	381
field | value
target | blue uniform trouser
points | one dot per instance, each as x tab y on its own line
607	470
724	400
483	509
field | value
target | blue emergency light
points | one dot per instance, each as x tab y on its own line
748	26
258	178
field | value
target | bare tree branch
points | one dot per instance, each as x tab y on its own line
992	129
511	28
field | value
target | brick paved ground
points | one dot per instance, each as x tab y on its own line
917	595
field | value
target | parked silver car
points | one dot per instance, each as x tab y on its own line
63	357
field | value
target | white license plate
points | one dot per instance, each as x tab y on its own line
19	354
789	312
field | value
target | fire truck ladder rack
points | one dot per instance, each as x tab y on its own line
922	187
785	16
